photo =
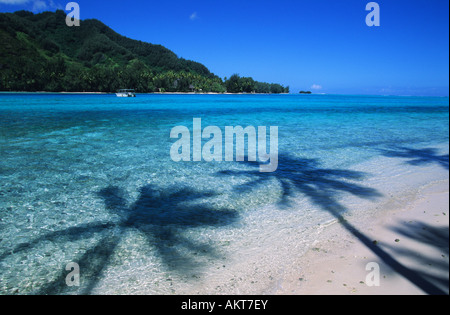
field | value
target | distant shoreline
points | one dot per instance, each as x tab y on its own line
156	93
215	93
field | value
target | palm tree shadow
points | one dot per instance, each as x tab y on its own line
426	234
432	237
162	216
418	157
323	187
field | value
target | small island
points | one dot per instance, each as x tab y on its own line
305	92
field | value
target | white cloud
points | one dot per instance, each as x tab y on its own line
193	16
34	5
316	87
39	5
14	2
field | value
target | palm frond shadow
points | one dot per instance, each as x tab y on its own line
323	187
166	215
306	176
162	216
418	157
433	237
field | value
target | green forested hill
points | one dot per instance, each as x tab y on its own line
39	52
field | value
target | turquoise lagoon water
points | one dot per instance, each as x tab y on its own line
89	179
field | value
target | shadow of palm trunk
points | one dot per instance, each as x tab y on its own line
162	216
92	265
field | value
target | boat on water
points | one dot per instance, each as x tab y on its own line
126	93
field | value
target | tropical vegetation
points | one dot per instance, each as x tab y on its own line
39	52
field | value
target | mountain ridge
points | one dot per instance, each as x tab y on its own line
41	53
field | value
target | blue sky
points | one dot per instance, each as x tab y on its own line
319	45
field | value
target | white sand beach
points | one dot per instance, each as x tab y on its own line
410	245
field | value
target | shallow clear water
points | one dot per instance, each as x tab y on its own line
89	179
